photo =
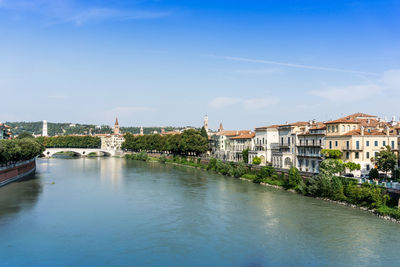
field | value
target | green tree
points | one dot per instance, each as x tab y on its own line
293	179
386	160
256	160
351	166
203	132
374	173
332	166
245	155
25	135
332	153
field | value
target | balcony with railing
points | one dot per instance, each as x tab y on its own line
275	145
309	144
352	148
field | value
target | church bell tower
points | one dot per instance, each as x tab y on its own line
116	126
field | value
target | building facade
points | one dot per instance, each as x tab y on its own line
360	137
112	141
309	148
264	140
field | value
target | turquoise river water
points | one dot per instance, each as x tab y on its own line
114	212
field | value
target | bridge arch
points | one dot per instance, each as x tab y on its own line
49	152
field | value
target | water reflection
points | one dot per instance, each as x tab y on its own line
19	196
115	212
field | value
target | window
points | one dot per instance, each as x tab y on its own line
376	154
367	155
330	144
288	140
347	155
392	144
343	128
347	144
367	166
348	128
336	143
384	143
376	143
357	155
357	144
337	128
367	143
282	140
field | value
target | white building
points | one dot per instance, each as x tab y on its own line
309	148
265	138
284	153
112	141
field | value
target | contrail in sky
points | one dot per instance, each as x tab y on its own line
300	66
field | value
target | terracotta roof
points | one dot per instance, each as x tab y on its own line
343	120
233	133
274	126
298	123
355	118
245	136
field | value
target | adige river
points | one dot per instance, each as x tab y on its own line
115	212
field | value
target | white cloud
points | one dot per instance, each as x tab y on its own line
391	79
223	102
257	103
71	12
389	82
99	14
348	93
293	65
250	104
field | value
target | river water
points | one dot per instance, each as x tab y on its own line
113	212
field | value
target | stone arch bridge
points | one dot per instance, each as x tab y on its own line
49	152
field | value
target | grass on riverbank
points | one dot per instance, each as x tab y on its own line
325	185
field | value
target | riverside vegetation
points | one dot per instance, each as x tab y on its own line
326	184
14	150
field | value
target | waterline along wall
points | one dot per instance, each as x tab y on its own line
17	171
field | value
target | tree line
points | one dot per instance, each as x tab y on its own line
190	142
14	150
71	141
68	129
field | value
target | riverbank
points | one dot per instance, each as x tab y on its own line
18	171
341	191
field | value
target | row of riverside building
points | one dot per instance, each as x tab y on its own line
358	136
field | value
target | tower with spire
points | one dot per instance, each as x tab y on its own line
116	126
221	128
206	123
141	130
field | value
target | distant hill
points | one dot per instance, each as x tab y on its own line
72	128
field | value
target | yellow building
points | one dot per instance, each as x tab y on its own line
360	137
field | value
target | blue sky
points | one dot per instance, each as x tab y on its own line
245	63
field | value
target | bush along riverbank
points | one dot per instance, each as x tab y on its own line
326	185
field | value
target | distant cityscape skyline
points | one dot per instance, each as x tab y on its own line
244	63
